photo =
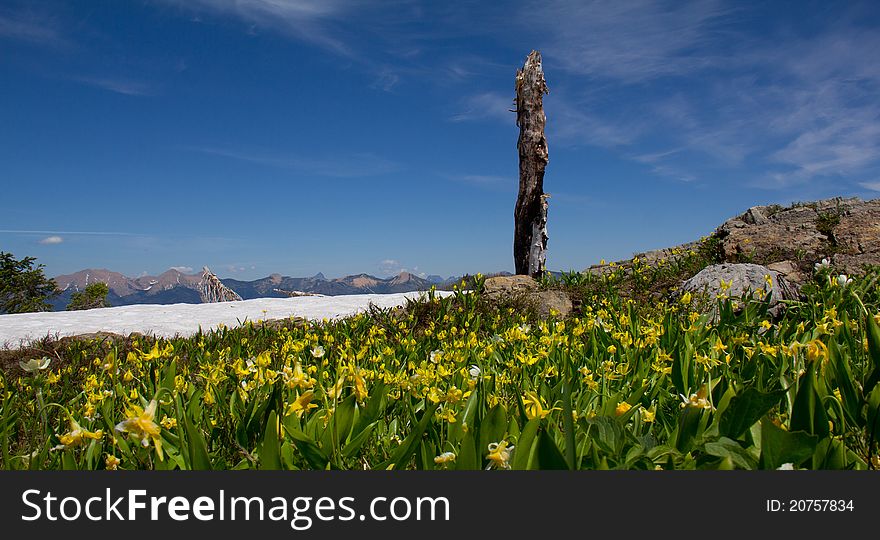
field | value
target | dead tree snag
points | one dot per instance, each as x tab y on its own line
530	214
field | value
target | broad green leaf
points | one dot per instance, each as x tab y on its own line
493	427
608	432
681	368
68	462
873	332
688	427
270	450
808	412
779	446
370	412
343	418
524	445
730	449
844	379
170	373
312	453
404	452
830	454
745	409
198	448
357	441
456	431
548	455
468	459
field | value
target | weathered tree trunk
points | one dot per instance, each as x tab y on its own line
213	290
530	215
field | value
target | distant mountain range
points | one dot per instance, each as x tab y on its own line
173	287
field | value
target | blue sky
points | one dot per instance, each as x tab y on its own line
261	136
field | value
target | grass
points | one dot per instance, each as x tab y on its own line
633	380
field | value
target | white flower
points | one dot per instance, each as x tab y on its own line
843	280
35	364
499	455
435	356
525	328
698	399
474	371
445	457
819	266
318	351
785	467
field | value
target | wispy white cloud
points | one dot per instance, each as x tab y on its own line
873	186
487	179
182	269
631	41
393	267
52	240
486	105
123	86
355	165
313	21
583	124
30	28
485	182
69	233
702	94
388	267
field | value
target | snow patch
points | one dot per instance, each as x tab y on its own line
186	319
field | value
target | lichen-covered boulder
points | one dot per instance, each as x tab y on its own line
737	279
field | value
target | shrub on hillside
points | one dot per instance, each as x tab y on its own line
23	287
93	296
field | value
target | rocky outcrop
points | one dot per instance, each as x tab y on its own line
647	258
846	230
526	288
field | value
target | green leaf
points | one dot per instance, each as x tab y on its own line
198	448
357	441
873	332
745	409
525	444
370	413
312	453
830	454
873	414
404	452
808	412
170	373
493	427
681	372
68	462
844	379
456	432
340	423
779	446
688	427
467	458
730	449
609	434
270	451
548	454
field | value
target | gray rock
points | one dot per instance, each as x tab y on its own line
556	301
526	288
790	271
506	285
741	277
